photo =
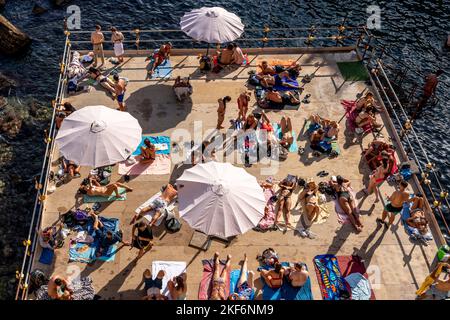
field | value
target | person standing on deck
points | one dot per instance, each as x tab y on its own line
395	204
221	111
120	86
429	90
117	39
97	39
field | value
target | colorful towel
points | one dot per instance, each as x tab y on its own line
47	255
92	199
267	221
279	87
205	287
234	278
353	264
172	270
350	114
412	232
329	276
149	215
278	134
160	166
341	215
164	70
162	144
86	252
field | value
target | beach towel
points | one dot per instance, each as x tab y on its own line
267	221
205	287
162	144
351	114
149	215
172	270
267	292
310	128
82	290
329	277
275	62
160	166
279	87
164	70
412	232
234	278
279	135
354	265
93	199
47	255
341	215
86	252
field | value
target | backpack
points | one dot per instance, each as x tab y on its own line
173	224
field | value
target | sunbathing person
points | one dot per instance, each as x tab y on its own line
309	198
373	152
274	277
152	286
266	81
178	287
71	168
158	205
287	186
346	201
104	81
161	55
242	102
266	69
285	98
286	132
219	285
395	204
63	111
226	55
107	238
142	239
282	80
94	188
238	56
365	102
438	288
59	288
377	177
148	152
298	275
250	123
318	142
244	286
331	129
367	118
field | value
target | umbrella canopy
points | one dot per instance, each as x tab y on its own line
98	136
220	199
212	25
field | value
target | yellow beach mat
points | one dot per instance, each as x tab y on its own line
429	280
274	62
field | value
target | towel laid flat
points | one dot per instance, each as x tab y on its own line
47	255
160	166
341	215
278	134
329	276
353	265
92	199
162	144
234	278
205	287
151	213
164	70
171	268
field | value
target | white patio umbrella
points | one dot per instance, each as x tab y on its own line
219	199
212	25
98	136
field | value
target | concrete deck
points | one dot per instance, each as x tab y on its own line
396	266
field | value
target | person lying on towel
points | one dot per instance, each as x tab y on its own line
107	238
158	205
148	152
367	118
284	80
284	98
59	288
244	286
374	153
417	222
319	143
94	188
286	132
297	275
266	69
219	283
368	101
159	56
274	277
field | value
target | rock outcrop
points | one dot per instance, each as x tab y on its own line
6	84
12	39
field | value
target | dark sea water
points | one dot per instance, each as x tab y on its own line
412	31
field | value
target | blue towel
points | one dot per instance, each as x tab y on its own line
234	278
83	252
268	292
288	292
279	87
164	70
278	134
46	256
155	140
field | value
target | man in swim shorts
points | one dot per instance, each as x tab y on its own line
120	86
395	204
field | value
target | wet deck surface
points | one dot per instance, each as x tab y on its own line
398	265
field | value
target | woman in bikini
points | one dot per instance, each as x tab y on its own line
250	123
364	102
287	186
178	287
148	152
298	275
242	101
346	201
309	197
94	188
244	286
219	285
286	130
377	177
104	81
274	277
266	69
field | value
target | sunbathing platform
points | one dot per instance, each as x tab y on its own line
395	265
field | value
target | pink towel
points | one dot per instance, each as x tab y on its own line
350	113
161	165
342	216
204	290
268	220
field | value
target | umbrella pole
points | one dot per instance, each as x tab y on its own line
207	50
